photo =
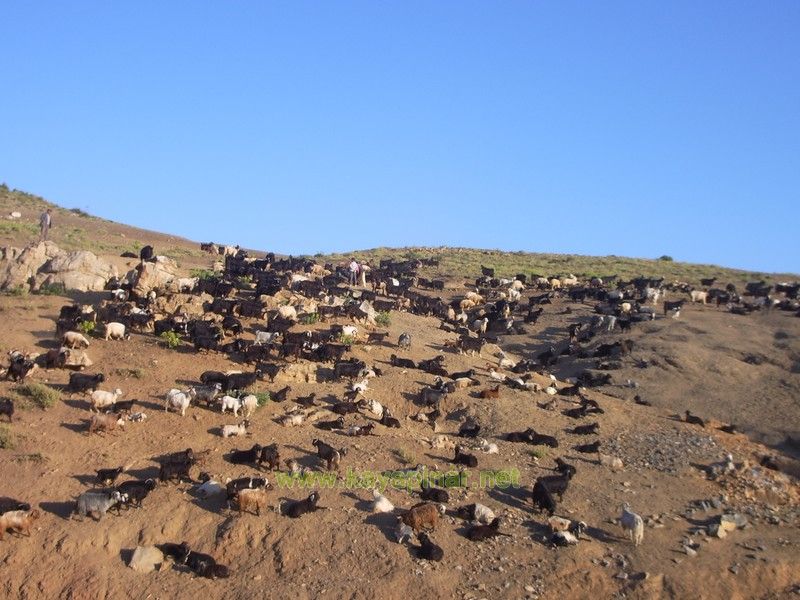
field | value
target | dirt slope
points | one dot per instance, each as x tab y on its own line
702	361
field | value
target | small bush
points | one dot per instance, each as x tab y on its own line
17	290
202	273
405	457
347	340
52	289
309	319
263	398
383	319
39	394
79	212
665	258
87	327
170	339
135	373
36	457
6	437
538	452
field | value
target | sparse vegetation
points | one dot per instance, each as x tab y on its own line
38	394
202	273
127	373
35	457
538	452
17	290
52	289
21	227
6	437
263	397
79	212
309	318
665	258
383	319
170	339
405	457
87	327
347	340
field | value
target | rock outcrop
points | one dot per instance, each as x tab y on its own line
45	264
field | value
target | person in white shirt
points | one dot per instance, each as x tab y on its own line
353	271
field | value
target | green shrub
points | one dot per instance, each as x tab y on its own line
52	289
170	339
263	398
347	340
538	452
6	437
665	258
309	318
79	212
202	273
383	319
39	394
87	327
17	290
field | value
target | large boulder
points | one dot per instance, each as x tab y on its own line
154	275
80	270
46	264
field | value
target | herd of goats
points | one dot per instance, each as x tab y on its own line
310	293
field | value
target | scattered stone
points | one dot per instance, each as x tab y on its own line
690	551
145	559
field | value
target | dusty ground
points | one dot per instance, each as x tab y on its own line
695	362
346	551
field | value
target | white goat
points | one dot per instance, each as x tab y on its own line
235	430
100	399
229	402
381	504
633	524
177	400
115	331
249	403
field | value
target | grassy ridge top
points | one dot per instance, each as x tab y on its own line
466	262
76	230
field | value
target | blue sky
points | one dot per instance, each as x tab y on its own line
627	128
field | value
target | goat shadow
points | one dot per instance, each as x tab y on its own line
361	504
87	480
82	404
82	427
601	535
144	473
385	522
213	504
62	510
539	532
514	496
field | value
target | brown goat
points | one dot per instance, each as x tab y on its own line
422	516
491	393
18	520
252	499
105	422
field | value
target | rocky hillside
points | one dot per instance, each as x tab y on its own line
712	526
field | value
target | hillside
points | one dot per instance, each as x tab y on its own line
742	369
77	230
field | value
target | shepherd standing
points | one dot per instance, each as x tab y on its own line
45	222
353	271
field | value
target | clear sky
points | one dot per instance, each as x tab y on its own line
628	128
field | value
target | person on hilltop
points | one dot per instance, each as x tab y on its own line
353	271
45	223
